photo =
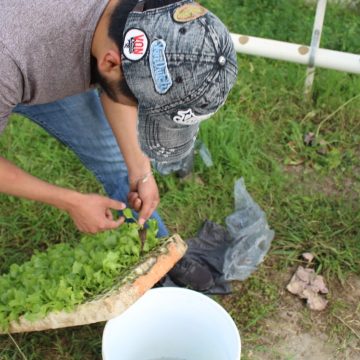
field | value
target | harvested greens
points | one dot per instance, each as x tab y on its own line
65	276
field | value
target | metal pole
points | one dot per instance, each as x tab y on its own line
296	53
315	43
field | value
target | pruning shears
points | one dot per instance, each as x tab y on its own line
142	235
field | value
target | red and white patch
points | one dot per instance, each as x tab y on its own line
135	44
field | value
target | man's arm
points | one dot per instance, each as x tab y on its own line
90	212
144	196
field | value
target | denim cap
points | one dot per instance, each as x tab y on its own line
179	61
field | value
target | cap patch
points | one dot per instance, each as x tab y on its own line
135	44
187	117
189	12
158	66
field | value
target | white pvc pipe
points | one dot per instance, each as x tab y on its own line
315	43
296	53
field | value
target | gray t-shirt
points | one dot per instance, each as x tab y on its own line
45	50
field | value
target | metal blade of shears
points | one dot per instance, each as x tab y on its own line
142	235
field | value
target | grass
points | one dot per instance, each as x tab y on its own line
310	193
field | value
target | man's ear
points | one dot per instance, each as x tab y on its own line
109	65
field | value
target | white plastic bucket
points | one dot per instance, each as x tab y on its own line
172	324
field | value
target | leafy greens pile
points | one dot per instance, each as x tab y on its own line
65	276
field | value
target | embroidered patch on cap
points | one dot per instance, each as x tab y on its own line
135	44
189	12
158	66
187	117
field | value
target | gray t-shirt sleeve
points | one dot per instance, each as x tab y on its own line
11	86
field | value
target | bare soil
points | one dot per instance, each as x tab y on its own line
295	333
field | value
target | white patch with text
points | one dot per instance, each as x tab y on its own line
187	117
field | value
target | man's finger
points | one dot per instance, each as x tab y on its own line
109	214
146	211
116	205
115	223
133	196
135	201
137	204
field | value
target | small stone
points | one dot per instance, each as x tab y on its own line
304	274
314	301
306	284
309	257
310	139
319	284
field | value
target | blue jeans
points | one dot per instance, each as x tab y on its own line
79	123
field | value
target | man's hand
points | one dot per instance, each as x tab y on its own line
92	213
144	198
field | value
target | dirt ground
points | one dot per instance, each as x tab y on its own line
295	333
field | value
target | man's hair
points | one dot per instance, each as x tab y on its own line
118	20
116	28
117	25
